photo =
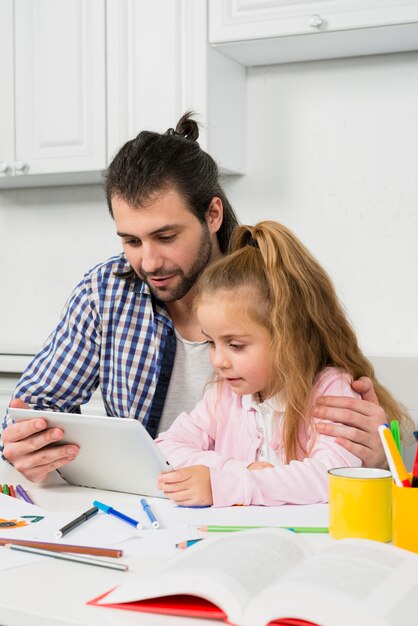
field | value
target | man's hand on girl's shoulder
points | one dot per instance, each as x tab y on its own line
354	422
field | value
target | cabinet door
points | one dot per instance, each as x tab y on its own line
59	86
143	72
7	92
260	32
235	20
160	65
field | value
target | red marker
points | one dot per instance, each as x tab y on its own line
415	470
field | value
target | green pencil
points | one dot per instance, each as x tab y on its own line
295	529
396	433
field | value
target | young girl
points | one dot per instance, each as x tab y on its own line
278	339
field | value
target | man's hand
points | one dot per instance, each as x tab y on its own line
259	465
356	422
24	446
189	486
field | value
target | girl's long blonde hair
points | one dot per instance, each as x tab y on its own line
290	294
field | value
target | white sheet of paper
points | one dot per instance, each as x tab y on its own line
101	530
177	524
160	542
180	524
170	515
9	559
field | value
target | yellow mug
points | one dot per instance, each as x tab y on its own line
360	500
404	517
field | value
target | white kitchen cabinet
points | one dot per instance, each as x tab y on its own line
53	82
7	99
80	77
159	65
259	32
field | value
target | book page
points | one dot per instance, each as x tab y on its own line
350	582
227	570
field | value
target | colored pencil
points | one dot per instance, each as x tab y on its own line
68	557
186	544
295	529
63	547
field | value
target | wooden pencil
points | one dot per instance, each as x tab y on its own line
62	547
85	560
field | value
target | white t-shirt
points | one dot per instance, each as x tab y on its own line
192	371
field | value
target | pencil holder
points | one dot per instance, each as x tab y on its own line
404	517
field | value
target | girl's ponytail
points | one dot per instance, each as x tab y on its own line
284	289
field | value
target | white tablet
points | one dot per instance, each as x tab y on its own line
115	453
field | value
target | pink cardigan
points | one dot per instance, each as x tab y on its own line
221	434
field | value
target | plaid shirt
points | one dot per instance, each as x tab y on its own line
112	333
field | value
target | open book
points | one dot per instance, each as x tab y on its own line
258	577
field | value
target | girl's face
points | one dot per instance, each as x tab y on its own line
239	348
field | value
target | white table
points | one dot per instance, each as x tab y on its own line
54	593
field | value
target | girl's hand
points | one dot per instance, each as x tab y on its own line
189	486
259	465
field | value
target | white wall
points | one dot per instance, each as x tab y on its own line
49	237
332	153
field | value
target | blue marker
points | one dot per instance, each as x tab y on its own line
111	511
193	506
148	511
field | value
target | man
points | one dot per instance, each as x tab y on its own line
129	326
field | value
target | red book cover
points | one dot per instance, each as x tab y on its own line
186	606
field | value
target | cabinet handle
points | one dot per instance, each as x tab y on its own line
21	166
315	21
4	167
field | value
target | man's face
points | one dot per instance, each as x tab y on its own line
164	242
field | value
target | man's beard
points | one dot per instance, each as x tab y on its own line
167	294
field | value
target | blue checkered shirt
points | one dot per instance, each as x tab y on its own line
112	333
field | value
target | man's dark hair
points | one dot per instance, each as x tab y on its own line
153	162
